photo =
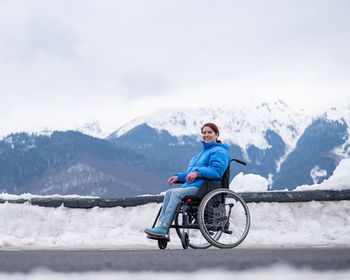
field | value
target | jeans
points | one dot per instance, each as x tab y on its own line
171	200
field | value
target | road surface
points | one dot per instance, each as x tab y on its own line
172	260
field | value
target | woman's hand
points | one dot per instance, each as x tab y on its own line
172	180
192	176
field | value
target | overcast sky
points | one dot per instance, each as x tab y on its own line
64	63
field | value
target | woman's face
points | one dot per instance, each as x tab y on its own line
209	135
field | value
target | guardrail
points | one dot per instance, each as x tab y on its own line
250	197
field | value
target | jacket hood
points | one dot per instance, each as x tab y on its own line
214	144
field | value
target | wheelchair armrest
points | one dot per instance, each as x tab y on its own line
210	180
179	182
213	179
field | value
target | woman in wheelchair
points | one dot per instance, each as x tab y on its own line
210	163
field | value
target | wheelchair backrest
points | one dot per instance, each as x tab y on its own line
225	183
226	177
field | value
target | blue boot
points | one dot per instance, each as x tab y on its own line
157	231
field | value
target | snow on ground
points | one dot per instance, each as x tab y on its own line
23	226
275	272
29	196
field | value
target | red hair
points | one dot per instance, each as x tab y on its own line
214	128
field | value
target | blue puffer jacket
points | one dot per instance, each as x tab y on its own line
211	163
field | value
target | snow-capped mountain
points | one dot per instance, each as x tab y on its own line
276	140
341	115
287	147
243	126
95	128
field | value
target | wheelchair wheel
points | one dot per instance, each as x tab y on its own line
185	240
162	244
223	211
195	236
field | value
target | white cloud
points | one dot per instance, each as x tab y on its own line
116	59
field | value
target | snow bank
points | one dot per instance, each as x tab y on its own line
25	226
275	272
299	224
249	183
29	196
340	180
273	224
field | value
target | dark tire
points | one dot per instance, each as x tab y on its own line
162	244
184	240
224	211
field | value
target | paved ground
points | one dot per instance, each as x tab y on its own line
172	260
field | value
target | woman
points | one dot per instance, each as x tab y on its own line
210	163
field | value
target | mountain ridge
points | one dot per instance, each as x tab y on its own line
253	121
138	158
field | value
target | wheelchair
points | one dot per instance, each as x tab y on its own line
215	216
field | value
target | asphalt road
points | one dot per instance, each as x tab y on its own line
172	260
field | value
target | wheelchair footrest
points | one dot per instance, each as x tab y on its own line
154	237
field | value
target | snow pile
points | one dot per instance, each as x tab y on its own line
275	272
340	180
28	196
249	183
27	226
273	225
299	224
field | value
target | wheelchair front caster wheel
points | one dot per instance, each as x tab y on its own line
185	240
162	243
